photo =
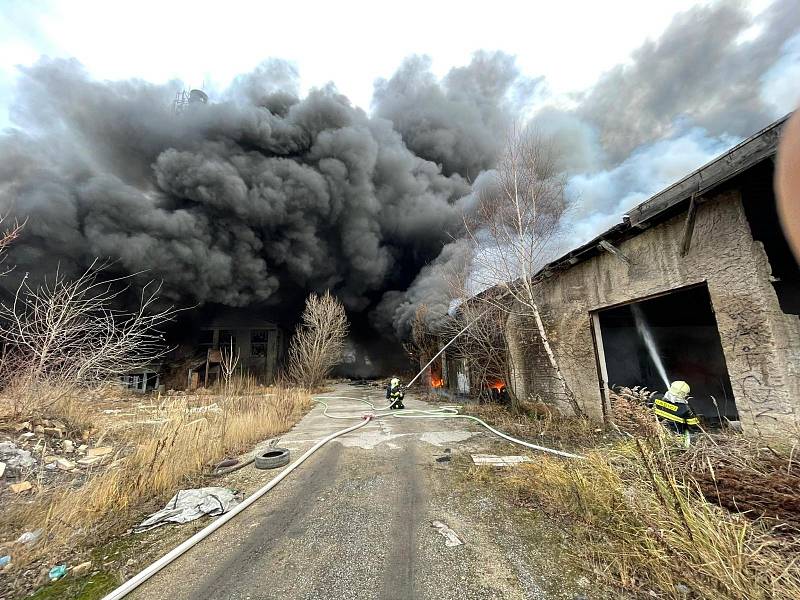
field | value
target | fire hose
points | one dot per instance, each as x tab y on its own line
444	412
162	562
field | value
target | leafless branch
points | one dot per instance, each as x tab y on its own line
72	329
317	344
515	230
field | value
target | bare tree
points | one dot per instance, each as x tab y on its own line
317	344
483	347
72	330
422	344
230	360
514	231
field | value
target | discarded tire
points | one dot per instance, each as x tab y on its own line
272	458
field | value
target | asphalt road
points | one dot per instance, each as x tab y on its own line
355	522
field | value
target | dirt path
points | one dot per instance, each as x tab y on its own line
355	522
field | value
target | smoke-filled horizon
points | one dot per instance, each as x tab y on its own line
262	196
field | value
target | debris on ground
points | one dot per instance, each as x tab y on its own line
57	572
743	476
81	568
450	537
65	465
96	452
498	461
188	505
29	537
18	488
5	560
15	458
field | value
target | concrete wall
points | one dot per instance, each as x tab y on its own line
761	344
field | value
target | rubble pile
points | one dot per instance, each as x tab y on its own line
44	451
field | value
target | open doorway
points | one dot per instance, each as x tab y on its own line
673	336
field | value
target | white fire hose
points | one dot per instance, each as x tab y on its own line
162	562
444	412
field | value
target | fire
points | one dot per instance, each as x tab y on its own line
497	385
436	381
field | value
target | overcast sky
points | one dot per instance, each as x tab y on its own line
569	42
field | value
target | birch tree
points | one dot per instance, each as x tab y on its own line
514	231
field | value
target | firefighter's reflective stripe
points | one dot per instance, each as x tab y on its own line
665	404
679	413
672	417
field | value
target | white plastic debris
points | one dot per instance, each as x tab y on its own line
29	537
188	505
498	461
450	537
15	458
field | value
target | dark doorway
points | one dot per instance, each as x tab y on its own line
683	336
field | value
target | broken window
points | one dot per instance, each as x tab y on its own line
670	337
258	342
227	338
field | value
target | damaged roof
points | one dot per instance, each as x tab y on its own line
674	199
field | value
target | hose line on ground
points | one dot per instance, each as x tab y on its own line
449	411
162	562
443	412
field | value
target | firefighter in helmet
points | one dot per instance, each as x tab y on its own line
395	393
674	412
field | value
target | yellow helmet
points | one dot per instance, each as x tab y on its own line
395	382
679	389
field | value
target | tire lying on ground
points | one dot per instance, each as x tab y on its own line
272	458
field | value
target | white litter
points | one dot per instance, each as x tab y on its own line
29	537
498	461
15	458
450	537
188	505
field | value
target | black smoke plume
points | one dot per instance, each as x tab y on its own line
257	197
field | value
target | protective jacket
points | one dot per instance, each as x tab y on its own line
395	393
678	415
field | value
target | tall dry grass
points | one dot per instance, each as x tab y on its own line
160	452
642	525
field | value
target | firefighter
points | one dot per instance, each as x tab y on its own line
674	412
395	393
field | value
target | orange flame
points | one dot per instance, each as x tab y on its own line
436	381
497	385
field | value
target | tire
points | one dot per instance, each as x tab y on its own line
272	458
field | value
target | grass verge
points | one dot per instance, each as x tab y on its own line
161	452
646	518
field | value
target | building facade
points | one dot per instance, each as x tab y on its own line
697	283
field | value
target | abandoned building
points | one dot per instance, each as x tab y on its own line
258	345
696	283
146	379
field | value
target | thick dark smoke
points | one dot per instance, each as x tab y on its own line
233	202
459	122
263	195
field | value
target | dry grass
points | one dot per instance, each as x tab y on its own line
539	421
162	450
642	524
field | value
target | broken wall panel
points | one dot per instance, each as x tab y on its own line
760	343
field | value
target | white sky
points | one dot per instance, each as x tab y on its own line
570	42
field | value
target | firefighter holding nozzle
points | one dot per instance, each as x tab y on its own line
674	412
395	392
